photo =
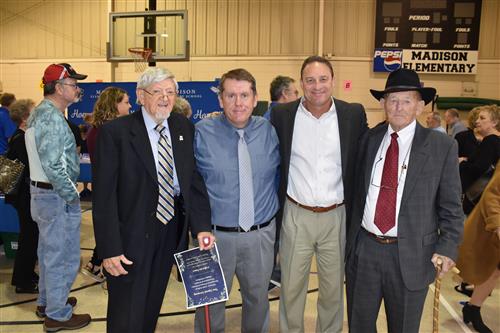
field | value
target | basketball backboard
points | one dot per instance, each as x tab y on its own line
162	34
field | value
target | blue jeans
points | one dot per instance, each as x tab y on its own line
58	249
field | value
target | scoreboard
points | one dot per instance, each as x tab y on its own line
428	36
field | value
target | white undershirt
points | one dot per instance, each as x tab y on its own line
315	174
405	139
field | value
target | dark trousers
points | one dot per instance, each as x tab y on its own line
24	264
372	274
135	299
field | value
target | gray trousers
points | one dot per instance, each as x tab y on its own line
373	274
303	234
249	256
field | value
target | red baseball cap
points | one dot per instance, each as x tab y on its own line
62	71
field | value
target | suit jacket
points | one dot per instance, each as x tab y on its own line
430	217
352	124
125	185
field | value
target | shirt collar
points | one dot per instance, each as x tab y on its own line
406	132
249	132
150	122
329	113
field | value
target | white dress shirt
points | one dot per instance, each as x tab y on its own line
405	139
315	174
154	136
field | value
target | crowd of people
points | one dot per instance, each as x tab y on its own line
385	205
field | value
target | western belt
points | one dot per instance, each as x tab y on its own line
46	186
381	239
315	209
239	229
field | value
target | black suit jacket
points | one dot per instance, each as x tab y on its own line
430	217
352	125
125	185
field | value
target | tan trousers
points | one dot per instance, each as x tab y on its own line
303	234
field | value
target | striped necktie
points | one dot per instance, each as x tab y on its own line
246	210
165	209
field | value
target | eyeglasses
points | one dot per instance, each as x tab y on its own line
161	93
74	85
231	98
377	165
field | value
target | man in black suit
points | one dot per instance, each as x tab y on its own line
406	212
139	194
318	140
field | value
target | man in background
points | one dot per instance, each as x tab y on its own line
433	122
453	123
238	157
282	90
55	204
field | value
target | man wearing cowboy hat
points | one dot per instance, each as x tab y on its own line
406	211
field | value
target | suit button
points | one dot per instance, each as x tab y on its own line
147	235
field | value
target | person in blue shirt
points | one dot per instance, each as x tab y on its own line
7	126
237	156
282	90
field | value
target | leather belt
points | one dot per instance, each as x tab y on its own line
46	186
239	229
381	239
315	209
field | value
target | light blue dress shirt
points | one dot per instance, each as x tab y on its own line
216	152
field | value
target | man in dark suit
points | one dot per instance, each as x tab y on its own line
406	213
318	137
144	177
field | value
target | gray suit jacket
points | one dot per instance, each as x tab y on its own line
430	217
352	125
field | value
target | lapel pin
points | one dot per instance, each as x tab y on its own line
181	138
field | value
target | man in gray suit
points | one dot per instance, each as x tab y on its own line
406	212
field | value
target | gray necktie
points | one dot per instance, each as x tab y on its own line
246	212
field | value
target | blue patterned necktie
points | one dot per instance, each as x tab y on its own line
246	211
165	209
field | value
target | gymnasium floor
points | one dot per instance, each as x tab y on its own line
17	311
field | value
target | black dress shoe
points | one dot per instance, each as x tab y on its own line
29	289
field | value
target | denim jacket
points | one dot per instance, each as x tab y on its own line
56	147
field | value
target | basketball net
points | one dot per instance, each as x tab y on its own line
141	57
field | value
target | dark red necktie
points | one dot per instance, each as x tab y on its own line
385	212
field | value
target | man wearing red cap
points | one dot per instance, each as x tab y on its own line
55	204
406	211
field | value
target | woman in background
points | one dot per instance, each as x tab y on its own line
486	156
469	140
479	254
24	277
112	103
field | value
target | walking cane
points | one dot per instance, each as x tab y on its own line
437	288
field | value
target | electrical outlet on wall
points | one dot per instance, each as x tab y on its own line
469	89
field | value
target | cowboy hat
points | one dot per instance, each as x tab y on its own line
404	80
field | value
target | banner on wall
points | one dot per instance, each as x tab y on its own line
202	96
439	36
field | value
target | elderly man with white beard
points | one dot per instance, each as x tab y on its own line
146	194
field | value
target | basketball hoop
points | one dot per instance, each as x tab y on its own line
142	56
